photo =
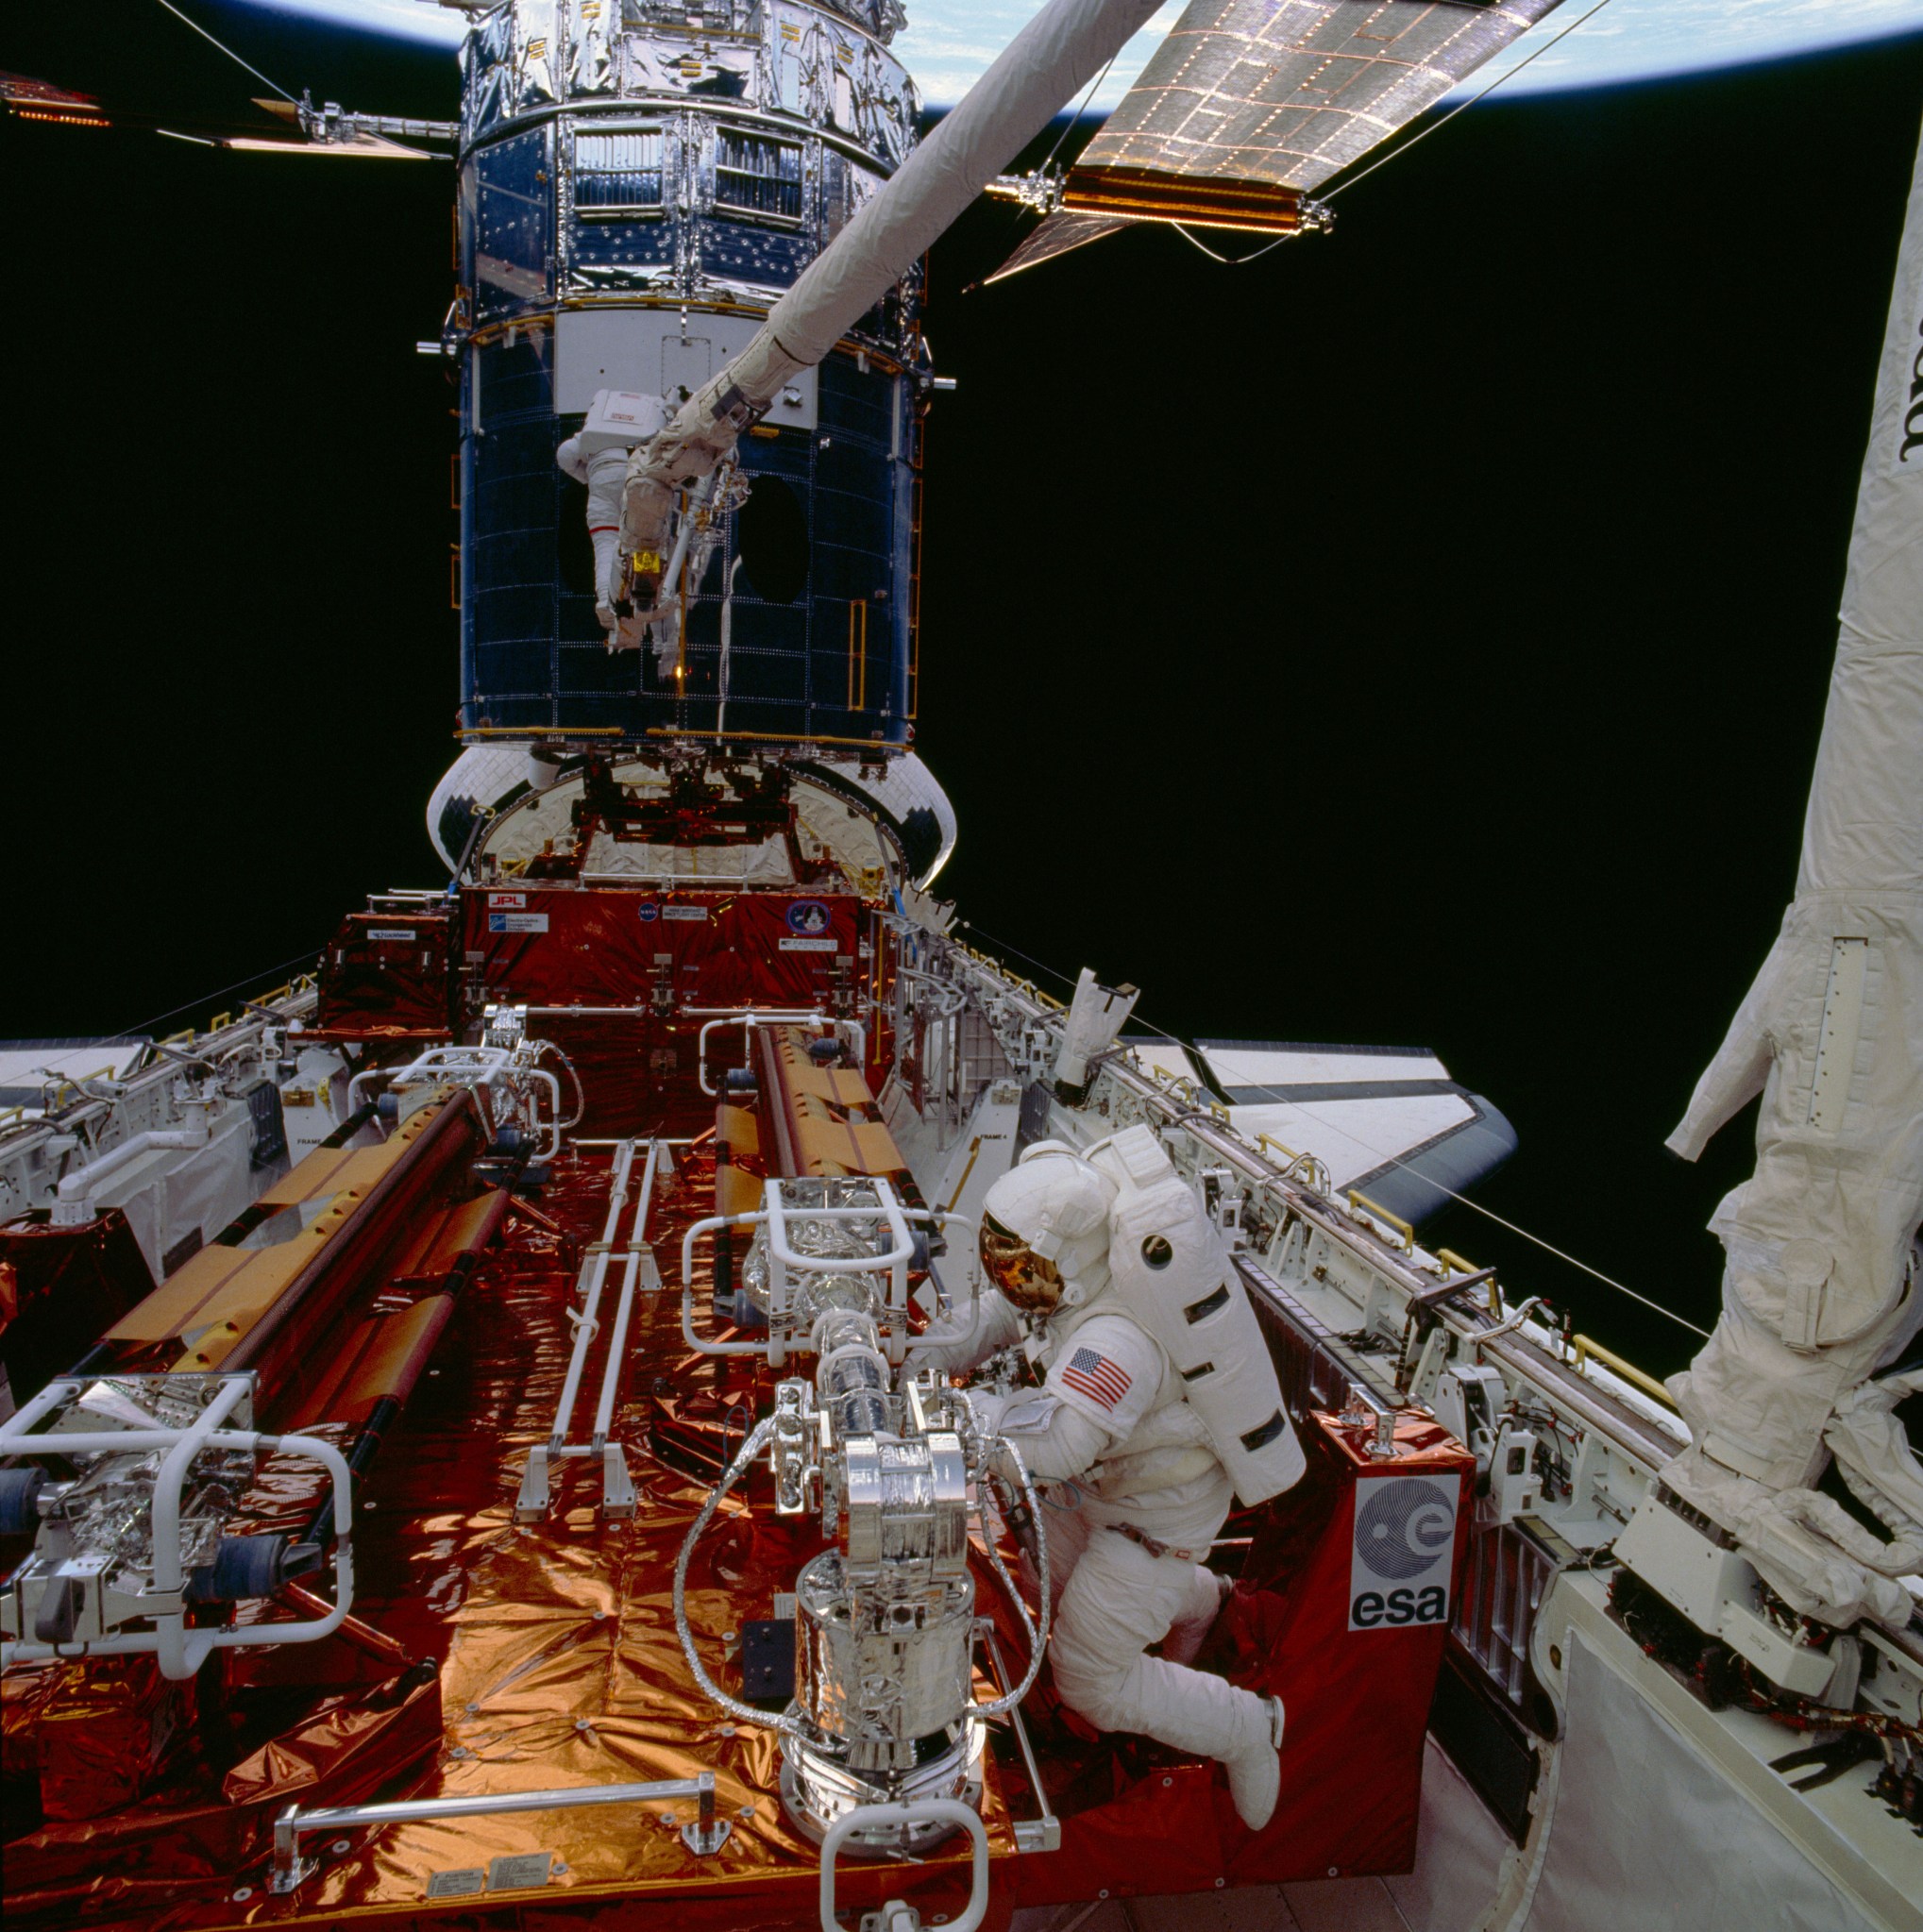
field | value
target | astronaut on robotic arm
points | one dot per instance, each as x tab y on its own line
597	455
1159	1407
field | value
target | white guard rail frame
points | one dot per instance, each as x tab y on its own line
483	1068
749	1018
181	1651
774	1217
920	1811
704	1836
637	1259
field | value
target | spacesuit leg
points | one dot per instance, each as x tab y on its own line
1068	1536
1120	1599
1196	1618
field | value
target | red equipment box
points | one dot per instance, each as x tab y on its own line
386	976
1343	1609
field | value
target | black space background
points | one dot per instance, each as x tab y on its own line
1418	636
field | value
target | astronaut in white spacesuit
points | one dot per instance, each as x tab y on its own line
1160	1404
597	455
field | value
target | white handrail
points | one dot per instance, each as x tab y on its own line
917	1811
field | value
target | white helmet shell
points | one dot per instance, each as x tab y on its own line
1058	1204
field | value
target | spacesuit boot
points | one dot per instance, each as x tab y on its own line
1116	1598
1255	1773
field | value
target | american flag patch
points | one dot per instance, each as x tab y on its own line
1097	1377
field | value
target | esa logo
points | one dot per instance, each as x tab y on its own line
1399	1607
1404	1551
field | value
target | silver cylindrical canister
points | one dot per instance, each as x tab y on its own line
880	1677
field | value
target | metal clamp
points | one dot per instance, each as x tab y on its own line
704	1836
1363	1406
920	1811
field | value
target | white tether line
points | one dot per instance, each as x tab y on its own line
225	49
1382	160
1392	1160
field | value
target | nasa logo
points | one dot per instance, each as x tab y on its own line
1403	1550
650	912
809	917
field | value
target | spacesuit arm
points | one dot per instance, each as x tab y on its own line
990	1326
572	462
1056	1441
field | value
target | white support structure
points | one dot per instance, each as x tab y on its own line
639	1269
787	1261
105	1612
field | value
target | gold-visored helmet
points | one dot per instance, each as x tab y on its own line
1025	1278
1044	1240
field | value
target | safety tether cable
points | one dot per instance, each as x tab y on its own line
229	53
1507	73
219	993
1392	1160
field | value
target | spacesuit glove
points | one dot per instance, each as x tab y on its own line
989	1405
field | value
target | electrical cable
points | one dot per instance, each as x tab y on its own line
227	51
1393	1160
1507	74
1230	260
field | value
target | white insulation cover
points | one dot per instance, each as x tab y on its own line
1618	1855
1819	1241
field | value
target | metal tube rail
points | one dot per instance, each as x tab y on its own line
617	1342
1582	1349
596	1270
750	1019
181	1651
701	1837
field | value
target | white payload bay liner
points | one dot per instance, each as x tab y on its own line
1824	1282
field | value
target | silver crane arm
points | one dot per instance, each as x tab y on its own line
1040	72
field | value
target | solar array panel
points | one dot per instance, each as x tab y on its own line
1288	92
